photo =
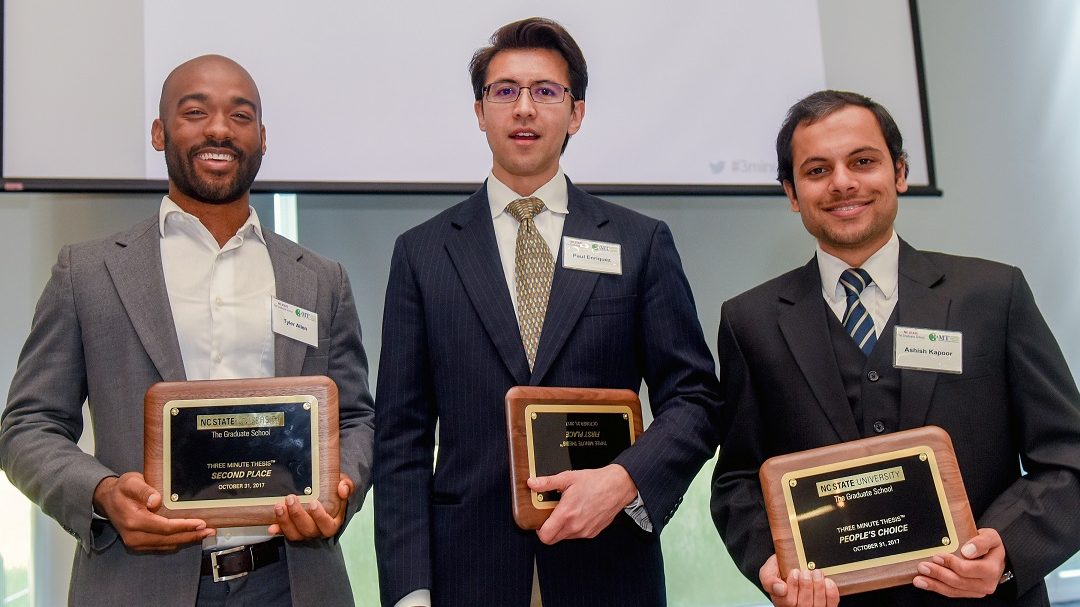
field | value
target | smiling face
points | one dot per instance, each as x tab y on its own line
846	185
525	137
210	128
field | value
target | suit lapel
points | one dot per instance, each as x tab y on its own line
803	324
475	255
922	307
135	269
570	289
297	285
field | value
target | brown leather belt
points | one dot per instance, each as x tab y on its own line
231	563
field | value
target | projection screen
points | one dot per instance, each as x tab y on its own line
683	97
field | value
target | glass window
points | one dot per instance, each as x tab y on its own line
1064	583
14	547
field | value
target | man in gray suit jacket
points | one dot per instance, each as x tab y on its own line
798	379
184	295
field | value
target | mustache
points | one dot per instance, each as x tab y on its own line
222	144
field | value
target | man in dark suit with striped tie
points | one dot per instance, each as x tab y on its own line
815	357
482	298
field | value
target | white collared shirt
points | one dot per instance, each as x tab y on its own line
879	297
220	301
219	296
549	222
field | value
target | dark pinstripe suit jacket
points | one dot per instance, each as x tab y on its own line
451	350
1014	403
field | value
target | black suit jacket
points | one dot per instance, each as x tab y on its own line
451	350
1015	403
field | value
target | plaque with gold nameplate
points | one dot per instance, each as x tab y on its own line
866	512
228	451
551	430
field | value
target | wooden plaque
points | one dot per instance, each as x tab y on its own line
867	512
227	451
551	430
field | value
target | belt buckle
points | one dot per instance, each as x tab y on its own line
214	564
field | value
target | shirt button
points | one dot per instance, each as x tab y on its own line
873	376
217	357
879	427
217	301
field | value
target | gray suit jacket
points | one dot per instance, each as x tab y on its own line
103	332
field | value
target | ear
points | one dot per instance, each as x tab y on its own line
157	135
793	199
478	107
901	176
262	131
577	114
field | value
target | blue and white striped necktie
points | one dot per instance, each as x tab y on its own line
857	321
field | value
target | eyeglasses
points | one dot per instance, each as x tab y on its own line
540	92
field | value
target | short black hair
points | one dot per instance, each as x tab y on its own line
816	106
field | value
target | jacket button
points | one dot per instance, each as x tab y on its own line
873	376
879	427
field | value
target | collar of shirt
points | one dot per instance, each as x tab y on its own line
553	193
883	266
170	214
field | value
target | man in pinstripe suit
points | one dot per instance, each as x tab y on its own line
452	348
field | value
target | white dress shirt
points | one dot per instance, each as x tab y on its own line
879	297
220	301
220	296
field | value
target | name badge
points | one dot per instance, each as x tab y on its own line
591	255
294	322
928	350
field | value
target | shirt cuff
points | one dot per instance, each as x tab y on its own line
416	598
636	510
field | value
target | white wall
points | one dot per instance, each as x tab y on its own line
1002	84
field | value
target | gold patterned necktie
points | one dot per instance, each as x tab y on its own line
533	269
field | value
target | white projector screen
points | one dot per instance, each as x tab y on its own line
366	96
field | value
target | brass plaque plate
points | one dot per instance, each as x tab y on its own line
240	451
574	437
868	512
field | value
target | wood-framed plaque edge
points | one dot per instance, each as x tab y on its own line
321	387
526	515
895	574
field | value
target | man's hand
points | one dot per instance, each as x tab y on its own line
297	523
590	501
801	589
973	573
129	504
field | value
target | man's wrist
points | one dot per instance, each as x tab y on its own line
97	503
632	493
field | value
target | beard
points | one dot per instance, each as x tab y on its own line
219	190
